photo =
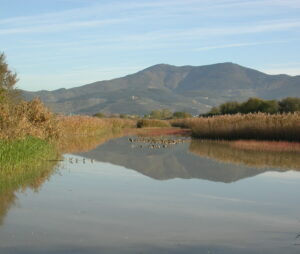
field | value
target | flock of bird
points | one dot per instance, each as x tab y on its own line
76	160
156	143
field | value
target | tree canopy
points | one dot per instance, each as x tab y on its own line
8	80
255	105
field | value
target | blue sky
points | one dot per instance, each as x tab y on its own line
66	43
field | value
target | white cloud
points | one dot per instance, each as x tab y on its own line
237	45
60	26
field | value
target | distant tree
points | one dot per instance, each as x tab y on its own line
271	107
231	107
100	115
155	114
124	116
181	115
161	114
166	113
289	104
8	80
252	105
215	111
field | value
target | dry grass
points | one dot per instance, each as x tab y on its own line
259	126
17	121
91	126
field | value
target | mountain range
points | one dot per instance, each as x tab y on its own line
194	89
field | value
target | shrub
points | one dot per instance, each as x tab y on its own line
27	119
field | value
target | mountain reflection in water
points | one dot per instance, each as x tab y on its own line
210	160
92	207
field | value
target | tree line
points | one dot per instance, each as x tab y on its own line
255	105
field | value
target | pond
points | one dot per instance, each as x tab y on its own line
157	195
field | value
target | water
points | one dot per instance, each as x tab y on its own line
191	197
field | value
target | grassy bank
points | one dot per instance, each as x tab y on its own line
258	126
21	159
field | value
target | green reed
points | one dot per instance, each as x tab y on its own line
21	160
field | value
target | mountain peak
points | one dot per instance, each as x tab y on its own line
194	89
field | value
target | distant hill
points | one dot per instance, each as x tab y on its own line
194	89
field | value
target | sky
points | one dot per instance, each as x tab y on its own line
66	43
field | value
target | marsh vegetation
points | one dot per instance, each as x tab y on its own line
257	126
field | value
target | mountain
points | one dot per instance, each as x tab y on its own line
187	88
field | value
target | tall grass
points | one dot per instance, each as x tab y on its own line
91	126
19	158
258	126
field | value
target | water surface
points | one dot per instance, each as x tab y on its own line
126	197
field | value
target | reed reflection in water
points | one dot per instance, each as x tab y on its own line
250	153
19	181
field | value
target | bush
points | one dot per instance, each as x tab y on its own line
18	121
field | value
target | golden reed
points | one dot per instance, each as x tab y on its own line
257	126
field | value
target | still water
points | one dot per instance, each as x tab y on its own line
132	197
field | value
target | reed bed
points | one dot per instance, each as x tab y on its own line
258	126
91	126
